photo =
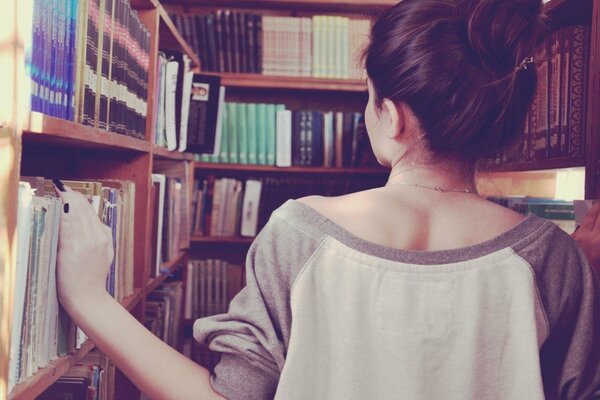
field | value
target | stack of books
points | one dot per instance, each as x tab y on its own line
88	62
42	330
320	46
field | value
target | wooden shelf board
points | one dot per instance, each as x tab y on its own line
558	163
290	82
221	239
340	6
171	38
163	153
131	301
167	268
33	386
45	129
285	170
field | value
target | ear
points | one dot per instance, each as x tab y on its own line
393	117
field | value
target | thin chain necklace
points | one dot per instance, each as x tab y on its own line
436	188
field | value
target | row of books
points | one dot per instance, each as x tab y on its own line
88	62
226	207
323	46
556	122
169	198
163	312
561	212
42	330
210	285
556	125
91	378
187	105
268	134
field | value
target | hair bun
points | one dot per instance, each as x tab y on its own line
503	32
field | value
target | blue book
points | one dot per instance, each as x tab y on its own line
72	59
32	57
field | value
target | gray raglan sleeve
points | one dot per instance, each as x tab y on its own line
253	336
570	293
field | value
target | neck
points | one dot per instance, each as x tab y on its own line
450	176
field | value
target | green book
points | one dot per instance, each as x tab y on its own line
251	134
262	130
272	133
241	133
232	141
223	156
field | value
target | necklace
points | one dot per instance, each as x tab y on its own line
437	188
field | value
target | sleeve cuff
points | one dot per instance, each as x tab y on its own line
235	378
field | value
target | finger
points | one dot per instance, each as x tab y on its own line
589	222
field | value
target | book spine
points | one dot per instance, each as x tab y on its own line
565	46
261	134
235	41
202	44
243	139
258	43
212	42
234	133
579	62
554	96
540	134
219	40
243	42
250	46
284	138
252	133
227	40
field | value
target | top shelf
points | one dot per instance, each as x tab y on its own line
343	6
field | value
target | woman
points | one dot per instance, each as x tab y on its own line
420	289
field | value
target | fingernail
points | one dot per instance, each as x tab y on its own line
59	185
66	208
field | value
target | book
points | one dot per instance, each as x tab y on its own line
250	208
206	98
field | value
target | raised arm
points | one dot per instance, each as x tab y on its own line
84	257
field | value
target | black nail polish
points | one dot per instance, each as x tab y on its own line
59	185
66	208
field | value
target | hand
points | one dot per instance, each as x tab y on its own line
85	251
588	236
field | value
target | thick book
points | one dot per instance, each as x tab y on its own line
204	113
171	77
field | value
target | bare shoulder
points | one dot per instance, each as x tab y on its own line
335	206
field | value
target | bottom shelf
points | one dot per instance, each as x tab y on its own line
35	385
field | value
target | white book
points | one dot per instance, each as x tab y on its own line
284	138
52	312
188	78
161	181
250	208
24	216
170	104
328	144
160	115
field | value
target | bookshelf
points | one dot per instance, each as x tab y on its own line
35	144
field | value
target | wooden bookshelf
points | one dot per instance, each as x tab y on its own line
166	269
44	129
33	386
268	169
131	301
170	36
162	153
258	81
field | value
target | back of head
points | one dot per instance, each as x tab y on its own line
458	64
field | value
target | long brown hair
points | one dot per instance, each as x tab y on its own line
458	65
